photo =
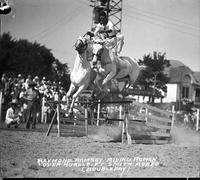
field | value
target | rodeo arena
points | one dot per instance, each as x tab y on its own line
100	126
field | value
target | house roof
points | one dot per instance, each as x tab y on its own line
197	77
177	70
176	63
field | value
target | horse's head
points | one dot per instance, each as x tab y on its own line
81	44
97	51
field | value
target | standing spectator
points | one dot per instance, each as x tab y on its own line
43	86
8	90
19	80
43	80
13	114
23	103
31	96
4	80
186	119
36	80
15	92
25	84
27	81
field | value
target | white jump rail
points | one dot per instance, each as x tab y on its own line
197	122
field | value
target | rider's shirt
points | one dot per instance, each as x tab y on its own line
108	26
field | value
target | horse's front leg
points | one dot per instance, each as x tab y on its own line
72	88
80	89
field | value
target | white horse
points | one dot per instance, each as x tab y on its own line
123	69
82	74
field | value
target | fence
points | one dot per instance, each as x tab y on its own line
157	126
66	125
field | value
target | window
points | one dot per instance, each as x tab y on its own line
185	92
197	96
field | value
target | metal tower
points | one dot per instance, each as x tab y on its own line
113	9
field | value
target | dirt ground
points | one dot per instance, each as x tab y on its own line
32	154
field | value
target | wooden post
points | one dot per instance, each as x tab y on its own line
173	117
146	113
126	125
123	131
42	118
58	117
51	124
197	123
120	115
98	112
86	121
0	104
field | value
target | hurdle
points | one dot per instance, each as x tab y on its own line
123	120
82	120
67	129
156	124
77	125
161	121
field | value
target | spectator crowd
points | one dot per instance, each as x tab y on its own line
20	89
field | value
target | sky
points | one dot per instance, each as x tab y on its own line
170	26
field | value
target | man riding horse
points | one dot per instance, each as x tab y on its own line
106	32
106	49
106	35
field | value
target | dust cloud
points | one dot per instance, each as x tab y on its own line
183	135
108	133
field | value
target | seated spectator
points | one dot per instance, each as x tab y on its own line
13	114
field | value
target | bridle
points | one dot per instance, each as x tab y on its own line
81	47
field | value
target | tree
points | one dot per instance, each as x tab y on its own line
153	76
62	74
26	58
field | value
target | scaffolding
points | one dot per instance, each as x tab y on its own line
113	9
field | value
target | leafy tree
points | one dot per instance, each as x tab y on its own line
22	56
153	75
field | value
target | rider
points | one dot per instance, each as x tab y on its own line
106	31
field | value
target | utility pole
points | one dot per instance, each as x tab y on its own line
4	10
113	9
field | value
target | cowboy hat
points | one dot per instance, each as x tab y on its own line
32	84
13	102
